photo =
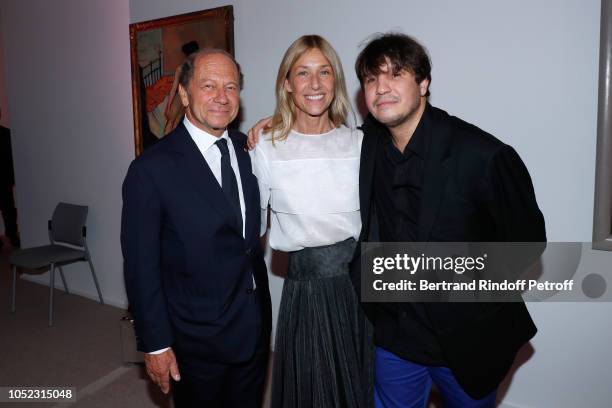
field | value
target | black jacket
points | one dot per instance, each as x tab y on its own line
475	189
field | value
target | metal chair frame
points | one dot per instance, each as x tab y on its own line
53	265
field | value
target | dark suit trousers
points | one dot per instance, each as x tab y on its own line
216	385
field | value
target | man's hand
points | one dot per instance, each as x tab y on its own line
160	367
255	131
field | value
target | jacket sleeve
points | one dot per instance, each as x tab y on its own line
513	203
516	216
141	220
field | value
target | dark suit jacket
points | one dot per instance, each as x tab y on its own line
475	189
188	270
7	177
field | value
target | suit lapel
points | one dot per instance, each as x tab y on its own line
437	170
199	174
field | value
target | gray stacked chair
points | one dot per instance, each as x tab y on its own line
67	233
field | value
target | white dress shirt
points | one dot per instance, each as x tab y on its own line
206	144
311	183
211	153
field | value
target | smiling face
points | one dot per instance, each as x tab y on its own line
212	96
311	83
394	98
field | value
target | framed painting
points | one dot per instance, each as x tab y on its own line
158	49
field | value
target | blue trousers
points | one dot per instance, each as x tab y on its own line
402	384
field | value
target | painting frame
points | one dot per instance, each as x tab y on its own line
166	34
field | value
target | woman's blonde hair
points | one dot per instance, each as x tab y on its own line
284	114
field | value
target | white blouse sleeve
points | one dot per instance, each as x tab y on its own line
259	161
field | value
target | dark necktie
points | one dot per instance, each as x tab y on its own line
228	181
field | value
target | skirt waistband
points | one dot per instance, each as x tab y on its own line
321	262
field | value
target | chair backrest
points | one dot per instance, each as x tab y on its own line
68	222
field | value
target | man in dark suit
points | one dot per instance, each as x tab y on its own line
426	176
7	183
194	270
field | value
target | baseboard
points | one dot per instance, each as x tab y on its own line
507	405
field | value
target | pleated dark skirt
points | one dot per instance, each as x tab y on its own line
323	357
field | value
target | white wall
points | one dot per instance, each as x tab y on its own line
524	71
69	89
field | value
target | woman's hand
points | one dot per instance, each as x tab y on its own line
255	131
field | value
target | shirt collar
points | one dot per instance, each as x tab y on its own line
203	139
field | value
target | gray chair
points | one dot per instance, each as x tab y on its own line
67	234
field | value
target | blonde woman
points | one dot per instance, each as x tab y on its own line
307	166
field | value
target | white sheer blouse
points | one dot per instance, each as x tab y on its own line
311	183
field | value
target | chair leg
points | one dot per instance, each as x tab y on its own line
93	273
51	287
13	288
63	279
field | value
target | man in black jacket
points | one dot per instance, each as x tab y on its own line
426	176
